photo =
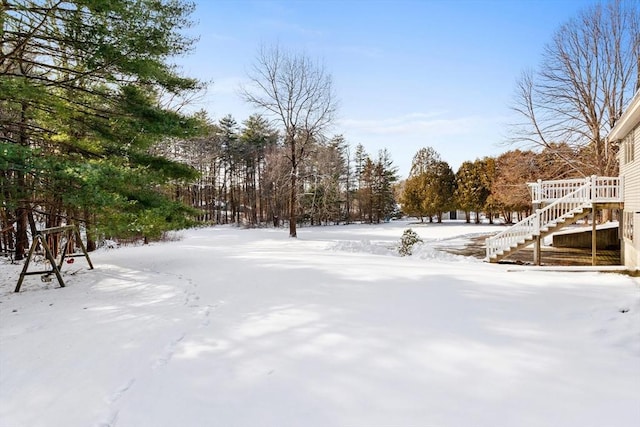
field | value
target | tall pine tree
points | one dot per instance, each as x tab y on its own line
80	108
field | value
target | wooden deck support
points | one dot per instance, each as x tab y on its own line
594	237
537	250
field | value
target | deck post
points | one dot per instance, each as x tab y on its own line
594	236
537	258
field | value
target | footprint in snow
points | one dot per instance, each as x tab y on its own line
168	352
117	395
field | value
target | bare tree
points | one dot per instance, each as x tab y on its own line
298	93
588	73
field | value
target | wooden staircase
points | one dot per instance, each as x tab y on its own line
562	203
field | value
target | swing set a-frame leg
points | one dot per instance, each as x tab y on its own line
26	263
52	260
54	267
83	247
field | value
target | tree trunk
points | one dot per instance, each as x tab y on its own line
91	242
293	199
22	239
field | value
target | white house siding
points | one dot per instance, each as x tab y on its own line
631	173
627	131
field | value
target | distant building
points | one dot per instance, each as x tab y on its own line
457	214
627	133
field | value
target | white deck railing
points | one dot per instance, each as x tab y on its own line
606	189
571	199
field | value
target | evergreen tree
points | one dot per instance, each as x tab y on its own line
419	189
471	192
440	188
385	176
256	139
414	196
365	193
360	159
329	170
79	102
228	135
347	177
487	168
375	195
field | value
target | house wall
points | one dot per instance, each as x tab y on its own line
630	170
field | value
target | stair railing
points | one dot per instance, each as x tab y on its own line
570	196
541	220
512	235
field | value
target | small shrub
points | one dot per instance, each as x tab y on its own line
407	241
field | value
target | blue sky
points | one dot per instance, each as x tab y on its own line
407	74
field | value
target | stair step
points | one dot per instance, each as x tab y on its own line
554	224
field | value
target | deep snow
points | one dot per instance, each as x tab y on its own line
233	327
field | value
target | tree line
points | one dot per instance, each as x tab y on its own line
490	187
244	177
93	129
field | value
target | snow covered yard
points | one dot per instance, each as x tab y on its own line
231	327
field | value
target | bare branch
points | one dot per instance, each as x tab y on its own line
297	93
583	83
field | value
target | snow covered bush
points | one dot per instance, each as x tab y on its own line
407	241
